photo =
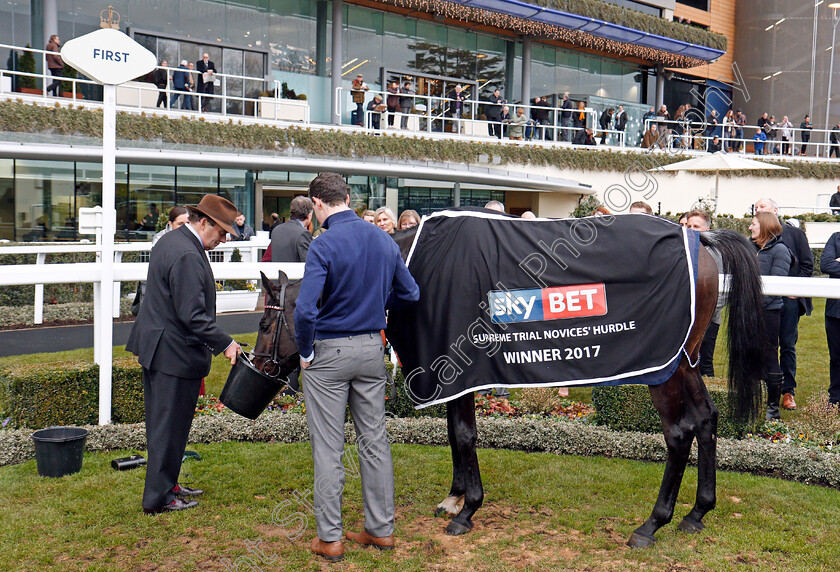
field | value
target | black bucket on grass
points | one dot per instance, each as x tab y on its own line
59	450
248	391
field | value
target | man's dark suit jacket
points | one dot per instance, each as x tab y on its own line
175	331
290	242
201	68
796	241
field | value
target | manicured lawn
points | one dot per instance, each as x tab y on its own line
542	512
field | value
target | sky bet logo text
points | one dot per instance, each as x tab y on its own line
534	305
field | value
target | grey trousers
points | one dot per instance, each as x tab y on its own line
349	370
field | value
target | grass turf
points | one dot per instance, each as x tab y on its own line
541	512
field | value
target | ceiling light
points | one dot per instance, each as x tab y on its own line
765	78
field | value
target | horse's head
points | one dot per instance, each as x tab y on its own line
275	352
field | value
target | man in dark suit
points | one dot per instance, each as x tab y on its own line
290	240
206	72
803	265
175	336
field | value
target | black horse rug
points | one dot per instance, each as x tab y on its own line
514	302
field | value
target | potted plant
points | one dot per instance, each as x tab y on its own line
236	295
67	86
26	64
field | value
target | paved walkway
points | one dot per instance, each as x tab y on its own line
63	338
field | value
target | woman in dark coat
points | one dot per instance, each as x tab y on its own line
774	259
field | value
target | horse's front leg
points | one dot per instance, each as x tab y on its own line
452	503
462	423
667	398
705	420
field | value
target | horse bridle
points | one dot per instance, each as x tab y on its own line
280	324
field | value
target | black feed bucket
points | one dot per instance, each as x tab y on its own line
248	391
59	450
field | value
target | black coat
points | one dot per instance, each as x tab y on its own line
567	107
620	120
494	110
582	138
773	260
175	331
803	263
161	77
201	68
830	266
290	242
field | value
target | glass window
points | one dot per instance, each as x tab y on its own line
194	183
151	193
292	34
398	41
362	44
44	201
233	64
490	65
7	199
232	187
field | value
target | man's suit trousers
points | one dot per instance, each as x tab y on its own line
170	406
349	370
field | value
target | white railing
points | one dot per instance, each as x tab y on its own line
143	95
693	133
431	114
251	251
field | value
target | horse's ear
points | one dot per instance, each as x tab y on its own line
267	284
282	278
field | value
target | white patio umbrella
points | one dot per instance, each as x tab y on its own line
717	162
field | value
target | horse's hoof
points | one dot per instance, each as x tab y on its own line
640	541
457	529
691	525
440	511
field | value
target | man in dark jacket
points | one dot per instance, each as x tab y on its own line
830	264
604	123
792	308
206	79
494	114
243	231
620	121
539	113
162	82
834	202
566	117
174	337
584	137
290	240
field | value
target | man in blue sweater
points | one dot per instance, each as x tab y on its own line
356	271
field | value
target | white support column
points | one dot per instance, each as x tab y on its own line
109	223
41	258
117	285
337	57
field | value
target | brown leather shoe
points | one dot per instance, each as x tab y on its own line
788	402
332	551
381	543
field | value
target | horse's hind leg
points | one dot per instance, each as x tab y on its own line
667	398
462	422
450	505
705	416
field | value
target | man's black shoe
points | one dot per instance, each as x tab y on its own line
177	504
182	491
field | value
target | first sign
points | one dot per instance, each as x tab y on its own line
108	56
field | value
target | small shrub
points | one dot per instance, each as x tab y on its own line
630	408
402	405
539	400
67	393
821	419
26	64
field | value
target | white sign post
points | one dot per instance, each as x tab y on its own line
111	58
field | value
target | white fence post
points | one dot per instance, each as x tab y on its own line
39	292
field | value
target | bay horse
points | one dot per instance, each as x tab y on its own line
683	402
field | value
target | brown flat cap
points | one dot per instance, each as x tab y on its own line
219	209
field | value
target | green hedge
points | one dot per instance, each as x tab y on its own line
67	393
638	21
402	406
630	408
16	116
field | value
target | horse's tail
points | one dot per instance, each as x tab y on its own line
745	335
